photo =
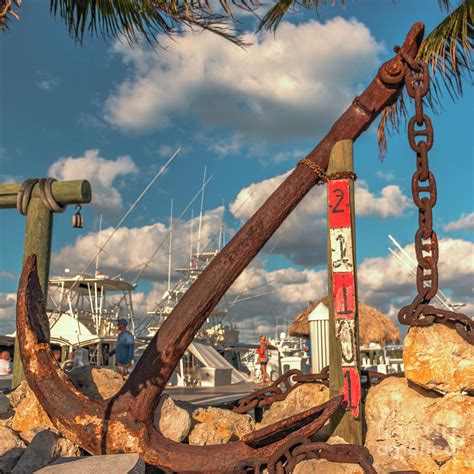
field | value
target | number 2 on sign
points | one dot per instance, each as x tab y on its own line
340	195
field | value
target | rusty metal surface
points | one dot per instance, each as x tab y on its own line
423	184
278	390
300	448
159	360
108	426
124	423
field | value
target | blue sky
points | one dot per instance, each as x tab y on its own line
114	115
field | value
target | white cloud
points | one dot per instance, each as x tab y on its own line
386	175
302	237
101	173
132	246
47	85
293	84
465	222
7	312
383	280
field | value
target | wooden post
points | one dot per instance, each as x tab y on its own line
344	363
38	233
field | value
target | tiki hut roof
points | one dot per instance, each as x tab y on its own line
373	325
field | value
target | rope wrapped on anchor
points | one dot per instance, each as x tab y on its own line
45	193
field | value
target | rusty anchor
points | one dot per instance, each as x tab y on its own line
124	422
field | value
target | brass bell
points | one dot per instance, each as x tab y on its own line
77	219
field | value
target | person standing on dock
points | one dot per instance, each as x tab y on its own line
262	352
124	348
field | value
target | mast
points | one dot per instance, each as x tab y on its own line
200	213
170	248
98	246
191	240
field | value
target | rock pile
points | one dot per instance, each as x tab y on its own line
29	442
424	422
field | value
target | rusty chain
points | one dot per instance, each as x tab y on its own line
423	185
323	176
300	448
274	393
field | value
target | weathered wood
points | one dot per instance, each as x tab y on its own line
344	424
153	370
38	234
64	192
39	228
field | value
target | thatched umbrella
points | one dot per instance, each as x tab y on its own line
373	325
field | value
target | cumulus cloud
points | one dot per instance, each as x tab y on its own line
101	173
131	247
384	281
465	222
302	237
7	312
293	84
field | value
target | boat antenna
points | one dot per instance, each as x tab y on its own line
176	222
191	239
200	214
221	228
122	220
170	247
98	246
409	263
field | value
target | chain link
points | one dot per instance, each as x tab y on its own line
423	185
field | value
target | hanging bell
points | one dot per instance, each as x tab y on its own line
77	220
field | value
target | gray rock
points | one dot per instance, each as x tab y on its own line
4	403
173	421
119	463
9	460
45	448
9	440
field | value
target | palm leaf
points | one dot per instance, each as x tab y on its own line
145	19
447	50
273	17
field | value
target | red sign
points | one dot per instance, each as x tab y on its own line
343	284
351	390
344	295
338	203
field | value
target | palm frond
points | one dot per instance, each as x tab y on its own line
447	50
7	11
136	20
273	17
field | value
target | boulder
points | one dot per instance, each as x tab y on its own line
4	403
9	440
218	426
172	421
29	414
437	357
323	466
120	463
45	447
302	398
9	460
17	395
410	428
97	383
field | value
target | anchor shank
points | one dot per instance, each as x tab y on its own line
153	370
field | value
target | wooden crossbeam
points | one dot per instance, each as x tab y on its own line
38	233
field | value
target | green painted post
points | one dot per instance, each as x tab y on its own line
38	233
